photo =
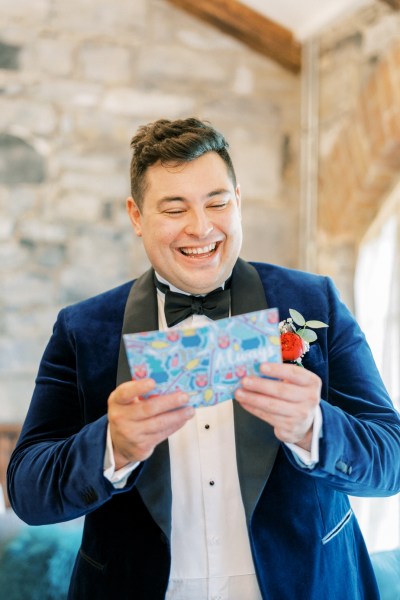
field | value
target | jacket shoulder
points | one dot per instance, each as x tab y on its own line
268	271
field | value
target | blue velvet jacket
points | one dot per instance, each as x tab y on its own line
305	540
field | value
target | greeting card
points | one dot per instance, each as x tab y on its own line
208	361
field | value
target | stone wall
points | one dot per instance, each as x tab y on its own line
359	134
76	80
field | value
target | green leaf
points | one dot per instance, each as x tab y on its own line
297	317
316	324
308	335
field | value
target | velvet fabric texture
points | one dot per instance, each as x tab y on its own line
305	540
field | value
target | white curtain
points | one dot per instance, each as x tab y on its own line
377	302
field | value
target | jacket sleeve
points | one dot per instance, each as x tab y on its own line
56	471
359	449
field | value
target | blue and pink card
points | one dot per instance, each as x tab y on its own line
208	361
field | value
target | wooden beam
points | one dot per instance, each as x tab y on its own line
395	4
250	27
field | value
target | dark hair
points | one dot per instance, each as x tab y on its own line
173	142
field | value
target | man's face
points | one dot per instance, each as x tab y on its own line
190	222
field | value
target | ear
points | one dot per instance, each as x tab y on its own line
134	215
238	198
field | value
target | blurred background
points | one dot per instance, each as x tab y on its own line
307	94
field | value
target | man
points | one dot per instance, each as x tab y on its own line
239	501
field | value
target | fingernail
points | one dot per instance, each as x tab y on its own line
265	368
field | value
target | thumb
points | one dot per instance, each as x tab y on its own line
129	392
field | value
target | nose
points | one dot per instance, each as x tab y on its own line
198	224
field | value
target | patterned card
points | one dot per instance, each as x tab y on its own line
209	361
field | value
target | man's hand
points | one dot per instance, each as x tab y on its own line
138	425
288	403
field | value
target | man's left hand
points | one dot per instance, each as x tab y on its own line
287	402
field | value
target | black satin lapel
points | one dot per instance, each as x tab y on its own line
256	450
247	291
154	481
141	314
256	444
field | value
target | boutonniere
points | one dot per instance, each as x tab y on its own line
296	336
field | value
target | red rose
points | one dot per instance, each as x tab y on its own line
292	346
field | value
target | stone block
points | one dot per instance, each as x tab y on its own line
100	127
12	256
16	392
9	56
22	323
6	229
100	17
27	289
36	230
21	200
50	55
20	353
19	161
147	105
202	38
379	36
243	83
34	117
69	94
259	168
17	9
164	64
77	207
50	256
104	185
270	234
106	63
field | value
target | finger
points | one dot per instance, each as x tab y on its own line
167	423
294	388
291	373
286	428
272	388
149	408
265	404
135	439
125	403
131	391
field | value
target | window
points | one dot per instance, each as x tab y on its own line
377	302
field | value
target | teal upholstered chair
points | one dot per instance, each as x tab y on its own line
387	570
36	562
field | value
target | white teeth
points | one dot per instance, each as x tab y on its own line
204	250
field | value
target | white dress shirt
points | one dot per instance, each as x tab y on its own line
210	549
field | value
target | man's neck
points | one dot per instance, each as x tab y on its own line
173	288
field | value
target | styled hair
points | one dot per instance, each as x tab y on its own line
173	142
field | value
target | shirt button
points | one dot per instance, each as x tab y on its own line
213	540
212	482
206	426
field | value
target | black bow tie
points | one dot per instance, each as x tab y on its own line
178	307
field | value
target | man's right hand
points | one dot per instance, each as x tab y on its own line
138	425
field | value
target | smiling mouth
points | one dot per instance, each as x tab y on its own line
200	252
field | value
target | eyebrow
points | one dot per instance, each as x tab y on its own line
212	194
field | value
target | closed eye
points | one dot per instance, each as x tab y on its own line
219	206
175	211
